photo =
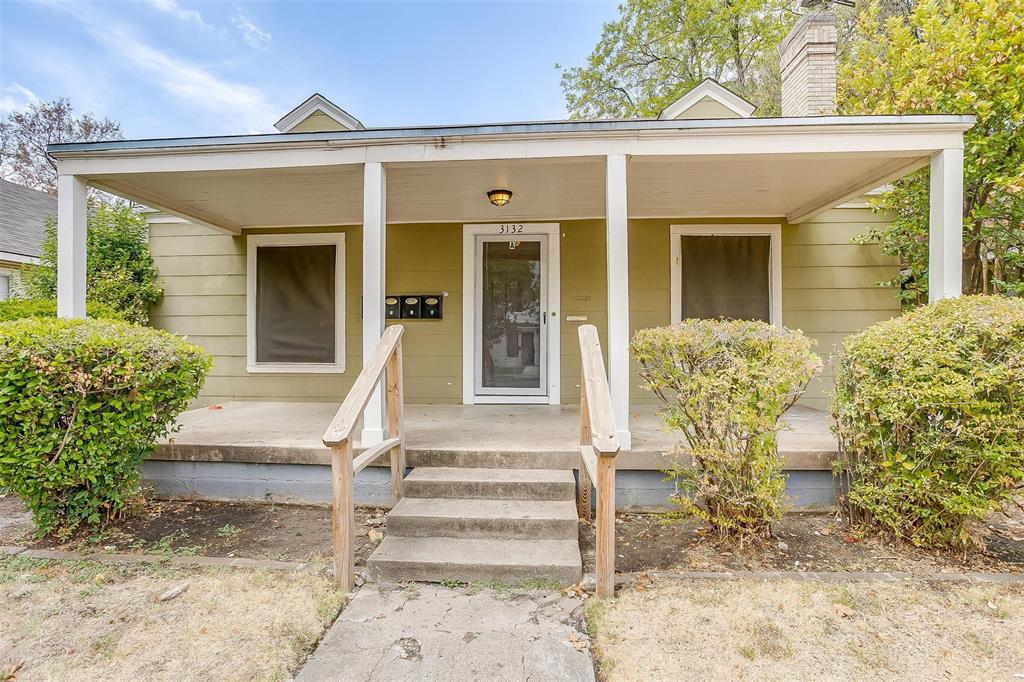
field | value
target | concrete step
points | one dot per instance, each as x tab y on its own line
469	518
493	459
492	484
435	559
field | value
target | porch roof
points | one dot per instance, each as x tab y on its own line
786	168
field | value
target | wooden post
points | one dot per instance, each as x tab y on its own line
583	483
605	563
395	408
343	519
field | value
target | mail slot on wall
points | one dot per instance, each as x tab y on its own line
392	308
411	307
431	307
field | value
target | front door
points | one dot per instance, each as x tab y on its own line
511	315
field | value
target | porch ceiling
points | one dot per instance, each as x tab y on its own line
549	189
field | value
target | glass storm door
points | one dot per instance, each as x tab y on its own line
511	307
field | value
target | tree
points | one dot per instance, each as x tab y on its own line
119	267
951	57
659	49
25	134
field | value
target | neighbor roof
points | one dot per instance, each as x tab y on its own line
23	215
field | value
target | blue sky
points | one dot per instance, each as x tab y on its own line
166	68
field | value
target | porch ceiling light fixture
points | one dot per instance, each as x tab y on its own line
499	197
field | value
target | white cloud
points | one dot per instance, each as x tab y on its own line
252	34
238	106
15	98
174	9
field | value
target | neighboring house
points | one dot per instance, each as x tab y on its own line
285	255
23	215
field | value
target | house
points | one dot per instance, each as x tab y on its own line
23	215
287	255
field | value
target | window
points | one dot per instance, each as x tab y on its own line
731	271
295	303
5	287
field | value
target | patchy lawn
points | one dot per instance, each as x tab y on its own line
88	621
802	630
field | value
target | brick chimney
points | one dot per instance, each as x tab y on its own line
808	60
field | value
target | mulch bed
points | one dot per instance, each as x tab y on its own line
644	541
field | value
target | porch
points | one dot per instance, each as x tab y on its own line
273	450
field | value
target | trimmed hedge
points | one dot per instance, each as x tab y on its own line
20	308
82	402
929	411
724	385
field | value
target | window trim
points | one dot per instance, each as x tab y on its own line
734	230
253	242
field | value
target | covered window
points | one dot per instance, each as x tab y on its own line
730	271
295	303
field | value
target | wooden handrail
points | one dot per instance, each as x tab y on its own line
599	445
348	414
385	358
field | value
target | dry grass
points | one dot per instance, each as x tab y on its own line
85	621
750	630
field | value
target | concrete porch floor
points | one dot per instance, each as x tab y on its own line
527	435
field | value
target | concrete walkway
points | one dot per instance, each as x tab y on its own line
428	632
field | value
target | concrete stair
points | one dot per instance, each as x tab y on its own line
477	524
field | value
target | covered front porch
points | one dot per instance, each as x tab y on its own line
249	440
615	196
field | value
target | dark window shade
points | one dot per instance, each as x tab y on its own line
726	276
295	304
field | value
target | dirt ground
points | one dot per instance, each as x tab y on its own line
86	621
802	542
803	630
249	530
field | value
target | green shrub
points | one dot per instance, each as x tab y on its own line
929	411
724	385
82	402
19	308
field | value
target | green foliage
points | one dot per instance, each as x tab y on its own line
724	386
950	57
657	50
82	402
929	411
119	268
19	308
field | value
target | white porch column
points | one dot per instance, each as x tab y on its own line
374	236
616	223
946	225
71	230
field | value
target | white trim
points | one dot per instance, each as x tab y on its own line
713	90
617	269
470	232
254	241
774	264
72	209
315	103
375	229
946	225
18	258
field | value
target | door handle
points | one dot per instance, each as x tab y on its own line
544	317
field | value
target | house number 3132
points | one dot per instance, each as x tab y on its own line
510	229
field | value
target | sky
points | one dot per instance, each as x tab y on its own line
170	68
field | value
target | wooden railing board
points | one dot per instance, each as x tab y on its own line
599	445
370	454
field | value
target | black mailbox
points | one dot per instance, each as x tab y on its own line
392	308
411	307
431	307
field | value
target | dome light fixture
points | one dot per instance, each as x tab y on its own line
499	197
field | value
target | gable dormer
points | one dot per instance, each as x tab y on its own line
710	99
317	115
